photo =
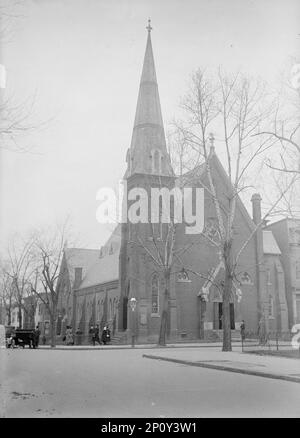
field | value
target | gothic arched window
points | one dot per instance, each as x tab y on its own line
155	294
271	306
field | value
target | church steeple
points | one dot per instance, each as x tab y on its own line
148	153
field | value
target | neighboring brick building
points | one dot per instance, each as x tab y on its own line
287	234
275	284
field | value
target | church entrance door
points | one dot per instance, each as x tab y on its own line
220	315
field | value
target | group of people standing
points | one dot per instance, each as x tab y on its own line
69	338
94	333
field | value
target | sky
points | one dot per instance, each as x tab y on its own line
77	64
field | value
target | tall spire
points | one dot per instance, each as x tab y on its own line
148	153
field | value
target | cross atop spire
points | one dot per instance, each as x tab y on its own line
211	139
149	28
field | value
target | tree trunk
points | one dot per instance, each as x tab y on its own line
202	310
52	330
226	298
20	316
9	317
226	316
165	317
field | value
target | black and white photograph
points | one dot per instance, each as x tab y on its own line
149	212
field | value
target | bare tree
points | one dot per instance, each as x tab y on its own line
6	296
48	252
284	133
19	268
236	108
15	118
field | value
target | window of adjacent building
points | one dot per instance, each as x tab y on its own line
155	294
298	269
295	235
298	307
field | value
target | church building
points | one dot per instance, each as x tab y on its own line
123	284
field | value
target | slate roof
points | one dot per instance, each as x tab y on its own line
80	258
105	269
98	265
269	243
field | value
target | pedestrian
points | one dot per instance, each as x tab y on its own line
37	334
261	331
97	335
106	335
69	336
92	334
243	328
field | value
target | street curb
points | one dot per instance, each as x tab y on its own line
126	347
224	368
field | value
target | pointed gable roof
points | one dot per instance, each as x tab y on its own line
200	171
148	131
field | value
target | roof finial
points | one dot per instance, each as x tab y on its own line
211	139
149	28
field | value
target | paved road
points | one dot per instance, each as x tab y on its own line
121	383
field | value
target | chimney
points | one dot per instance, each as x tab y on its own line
262	297
256	208
78	277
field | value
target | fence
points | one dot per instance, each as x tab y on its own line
271	342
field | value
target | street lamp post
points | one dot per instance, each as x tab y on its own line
132	303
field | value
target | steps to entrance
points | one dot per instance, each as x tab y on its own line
120	338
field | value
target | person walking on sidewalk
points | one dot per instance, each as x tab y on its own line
106	335
243	330
92	335
37	334
97	335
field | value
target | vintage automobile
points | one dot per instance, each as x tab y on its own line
20	337
25	337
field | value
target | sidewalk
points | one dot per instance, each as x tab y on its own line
218	345
234	361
